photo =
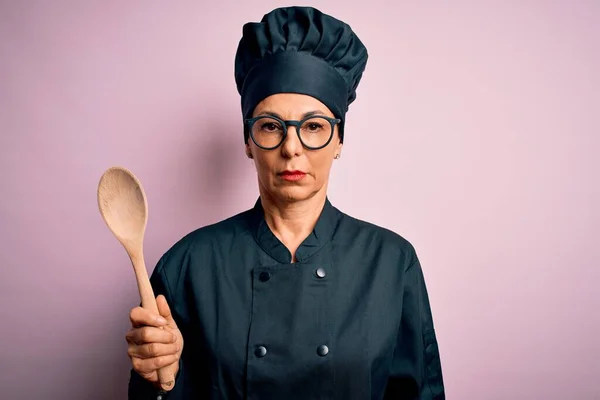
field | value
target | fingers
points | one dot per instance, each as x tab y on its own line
150	334
150	365
154	341
149	376
165	311
141	317
151	350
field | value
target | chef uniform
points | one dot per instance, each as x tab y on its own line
350	319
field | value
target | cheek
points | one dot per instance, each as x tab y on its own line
321	166
264	164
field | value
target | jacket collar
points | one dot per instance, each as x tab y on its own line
320	236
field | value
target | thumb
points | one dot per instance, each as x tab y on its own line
165	311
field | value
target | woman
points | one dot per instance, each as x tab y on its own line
292	299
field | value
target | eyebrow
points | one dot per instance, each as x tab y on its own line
305	115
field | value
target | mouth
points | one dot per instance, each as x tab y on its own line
292	175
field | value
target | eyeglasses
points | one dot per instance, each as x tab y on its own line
269	132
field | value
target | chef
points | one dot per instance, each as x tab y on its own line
291	299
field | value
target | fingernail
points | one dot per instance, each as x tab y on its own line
161	320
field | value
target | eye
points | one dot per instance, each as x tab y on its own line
270	126
313	126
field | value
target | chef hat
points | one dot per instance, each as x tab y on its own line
299	50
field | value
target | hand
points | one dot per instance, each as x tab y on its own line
154	342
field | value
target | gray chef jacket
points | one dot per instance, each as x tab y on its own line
349	320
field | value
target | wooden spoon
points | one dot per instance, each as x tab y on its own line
124	207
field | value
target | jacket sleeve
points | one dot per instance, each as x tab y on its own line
140	388
416	372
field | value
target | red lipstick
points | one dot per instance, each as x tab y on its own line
292	175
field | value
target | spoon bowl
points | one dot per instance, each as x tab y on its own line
123	205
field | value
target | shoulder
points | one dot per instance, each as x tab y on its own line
208	237
376	236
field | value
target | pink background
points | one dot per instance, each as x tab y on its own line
475	135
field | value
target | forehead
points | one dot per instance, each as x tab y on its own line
291	105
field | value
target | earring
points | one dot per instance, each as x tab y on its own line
337	156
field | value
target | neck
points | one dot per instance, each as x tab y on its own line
292	221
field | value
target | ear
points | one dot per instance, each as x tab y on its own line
338	149
249	151
338	142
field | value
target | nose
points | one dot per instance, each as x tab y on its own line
292	146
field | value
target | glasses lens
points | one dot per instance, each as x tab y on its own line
267	132
315	131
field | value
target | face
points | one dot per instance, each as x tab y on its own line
274	167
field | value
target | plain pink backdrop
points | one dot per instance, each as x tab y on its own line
475	135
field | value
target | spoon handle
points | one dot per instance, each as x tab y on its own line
149	303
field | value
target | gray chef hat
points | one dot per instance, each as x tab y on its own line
299	50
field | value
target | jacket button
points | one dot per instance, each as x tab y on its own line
260	351
264	276
320	272
322	350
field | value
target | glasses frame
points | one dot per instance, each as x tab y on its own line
295	123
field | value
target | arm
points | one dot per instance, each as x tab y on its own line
416	372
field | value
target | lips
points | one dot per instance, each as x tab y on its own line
292	175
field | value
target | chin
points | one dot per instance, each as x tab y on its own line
294	193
